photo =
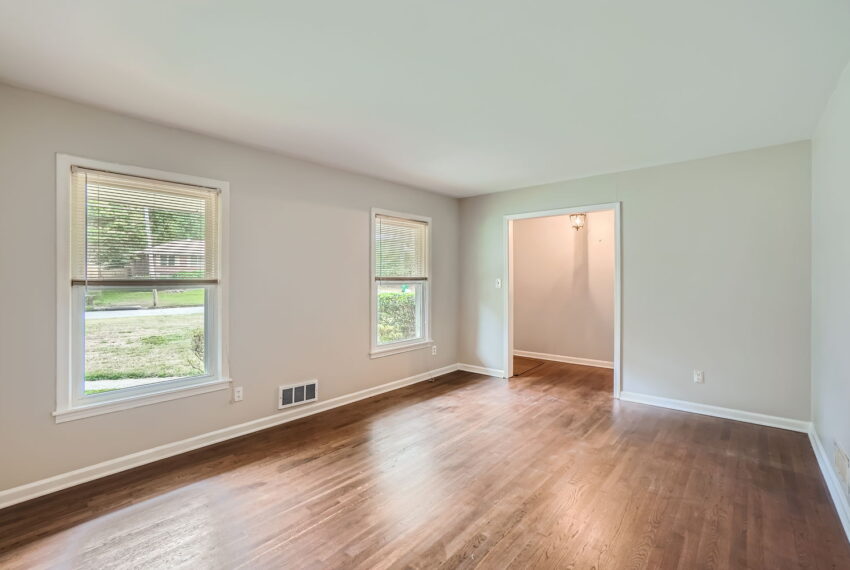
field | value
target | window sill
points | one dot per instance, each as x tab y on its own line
89	410
397	349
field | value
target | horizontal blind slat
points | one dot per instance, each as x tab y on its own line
147	284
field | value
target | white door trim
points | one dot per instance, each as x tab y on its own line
508	284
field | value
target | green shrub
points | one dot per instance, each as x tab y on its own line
198	350
396	316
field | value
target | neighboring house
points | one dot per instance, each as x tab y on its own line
169	259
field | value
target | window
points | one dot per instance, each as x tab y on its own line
140	292
400	282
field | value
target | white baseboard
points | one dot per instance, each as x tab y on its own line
839	498
481	370
29	491
567	359
718	412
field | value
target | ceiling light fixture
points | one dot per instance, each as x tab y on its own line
577	221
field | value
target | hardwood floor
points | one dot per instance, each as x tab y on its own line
522	365
545	470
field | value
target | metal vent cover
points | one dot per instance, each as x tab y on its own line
297	394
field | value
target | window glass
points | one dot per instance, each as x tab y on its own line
399	311
142	336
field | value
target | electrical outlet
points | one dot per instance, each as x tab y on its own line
237	393
498	283
434	350
699	377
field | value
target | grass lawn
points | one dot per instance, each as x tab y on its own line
142	347
115	298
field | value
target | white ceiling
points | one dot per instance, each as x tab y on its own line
463	97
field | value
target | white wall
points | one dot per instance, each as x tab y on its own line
294	300
831	271
563	286
715	276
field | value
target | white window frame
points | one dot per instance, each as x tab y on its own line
71	403
380	350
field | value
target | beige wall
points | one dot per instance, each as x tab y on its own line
715	276
563	286
831	271
278	335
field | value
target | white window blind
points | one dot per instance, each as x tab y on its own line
131	230
400	249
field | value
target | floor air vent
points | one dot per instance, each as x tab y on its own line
297	394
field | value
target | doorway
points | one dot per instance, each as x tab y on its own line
511	226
